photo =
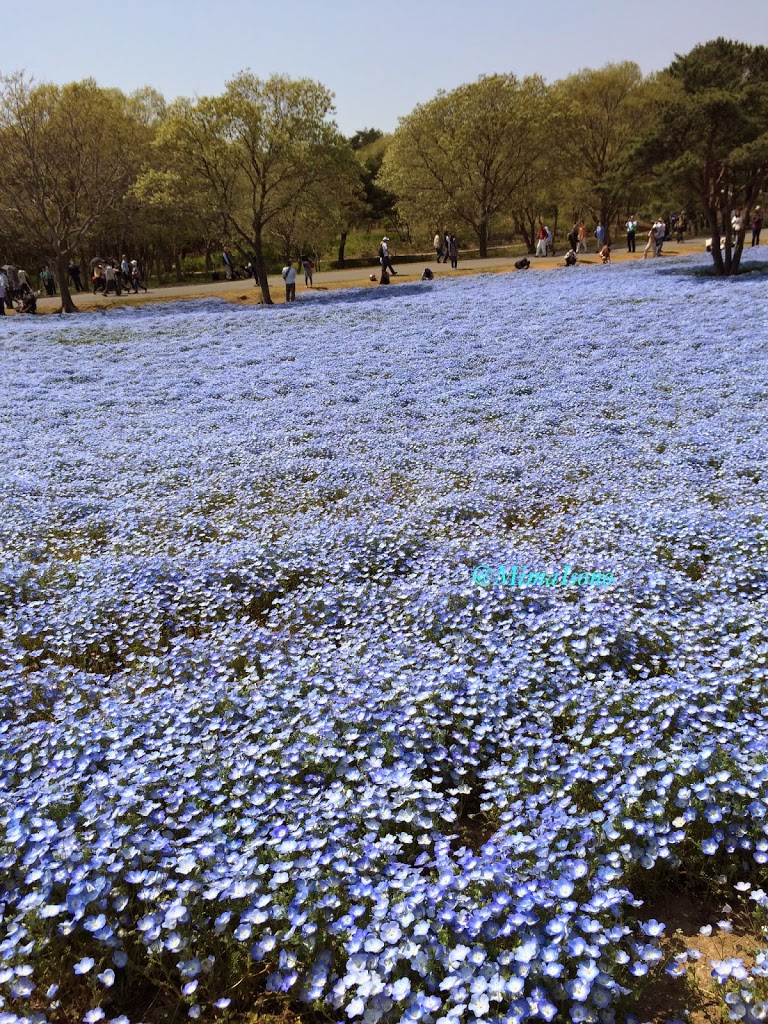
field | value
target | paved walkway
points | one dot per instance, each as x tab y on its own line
245	291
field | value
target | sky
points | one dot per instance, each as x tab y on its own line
379	58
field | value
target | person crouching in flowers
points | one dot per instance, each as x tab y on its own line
605	253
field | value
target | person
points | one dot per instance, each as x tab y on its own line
384	258
125	272
758	219
74	275
605	253
307	266
573	236
3	286
650	246
427	275
446	245
136	278
98	278
522	264
582	237
110	279
289	276
29	303
48	281
437	242
661	234
453	252
229	263
631	232
681	227
600	235
737	222
384	279
541	244
22	287
570	258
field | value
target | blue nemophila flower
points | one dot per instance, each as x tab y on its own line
84	965
252	690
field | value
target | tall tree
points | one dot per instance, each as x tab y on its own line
600	113
68	155
259	151
710	137
464	155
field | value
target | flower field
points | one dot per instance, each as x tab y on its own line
261	732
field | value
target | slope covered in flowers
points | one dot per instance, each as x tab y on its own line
259	728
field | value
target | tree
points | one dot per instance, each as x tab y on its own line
68	155
259	152
600	114
465	154
710	137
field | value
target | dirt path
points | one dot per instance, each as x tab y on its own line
245	292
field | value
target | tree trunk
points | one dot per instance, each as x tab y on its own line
714	227
261	268
342	246
62	269
482	238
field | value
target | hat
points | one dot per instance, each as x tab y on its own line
134	263
385	239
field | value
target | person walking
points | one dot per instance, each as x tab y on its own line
437	242
136	278
650	247
600	235
582	237
631	232
289	276
758	219
661	233
453	252
384	257
74	276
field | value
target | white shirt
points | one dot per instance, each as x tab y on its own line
384	249
631	226
289	275
437	242
109	273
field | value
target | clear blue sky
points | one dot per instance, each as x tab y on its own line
379	58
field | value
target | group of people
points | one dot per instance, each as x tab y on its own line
115	275
15	291
446	248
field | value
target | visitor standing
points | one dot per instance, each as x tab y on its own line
573	236
3	285
453	252
661	233
437	242
600	235
74	276
47	280
541	244
289	276
758	219
582	237
631	232
308	267
229	263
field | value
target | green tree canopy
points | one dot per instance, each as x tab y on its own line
710	136
69	155
261	152
466	154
